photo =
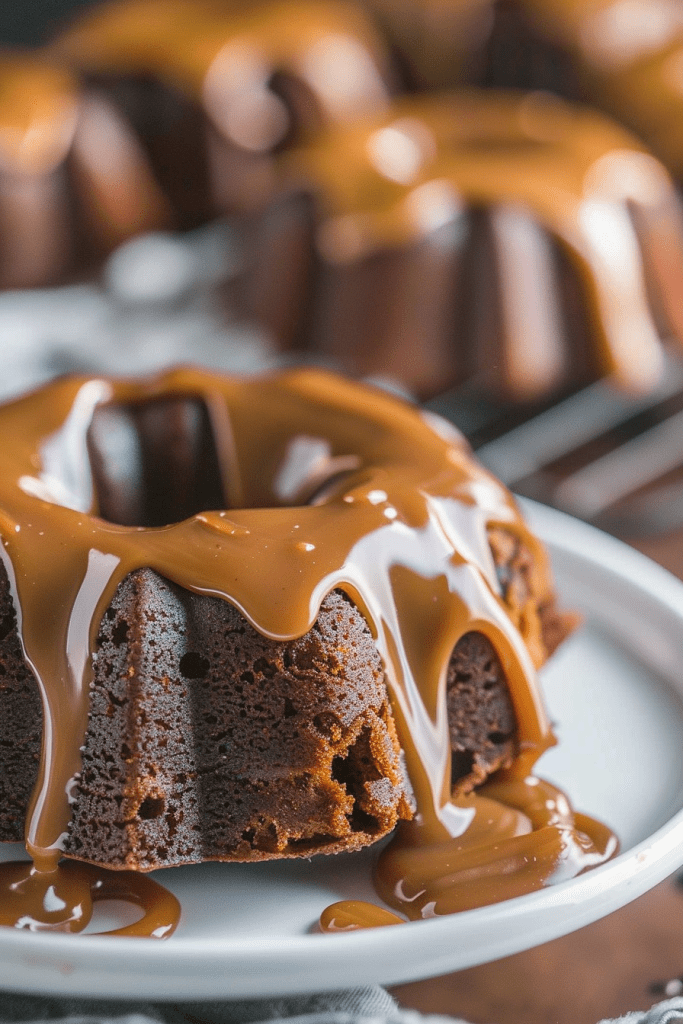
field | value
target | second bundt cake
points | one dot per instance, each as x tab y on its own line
506	238
214	91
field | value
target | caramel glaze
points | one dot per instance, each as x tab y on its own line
521	835
326	485
541	169
62	899
350	915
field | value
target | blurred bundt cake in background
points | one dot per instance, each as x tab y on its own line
624	57
214	90
506	237
74	180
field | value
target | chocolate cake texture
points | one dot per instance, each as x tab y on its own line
207	740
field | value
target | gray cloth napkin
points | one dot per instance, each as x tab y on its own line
370	1005
668	1012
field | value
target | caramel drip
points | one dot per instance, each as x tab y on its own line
575	174
62	900
350	915
401	527
520	835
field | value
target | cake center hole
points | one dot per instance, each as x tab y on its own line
154	463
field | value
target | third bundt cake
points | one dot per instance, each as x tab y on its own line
622	56
74	181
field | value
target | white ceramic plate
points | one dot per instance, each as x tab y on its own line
616	693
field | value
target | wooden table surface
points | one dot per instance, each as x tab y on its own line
627	961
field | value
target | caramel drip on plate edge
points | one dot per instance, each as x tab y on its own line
401	527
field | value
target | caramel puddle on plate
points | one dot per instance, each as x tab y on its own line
522	835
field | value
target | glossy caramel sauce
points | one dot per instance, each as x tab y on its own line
326	484
350	915
62	899
518	834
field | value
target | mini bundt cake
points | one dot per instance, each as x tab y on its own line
215	90
263	618
622	56
502	237
74	182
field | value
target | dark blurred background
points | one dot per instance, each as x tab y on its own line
31	22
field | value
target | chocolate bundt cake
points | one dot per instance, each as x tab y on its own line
622	56
214	91
74	182
502	237
625	58
255	619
